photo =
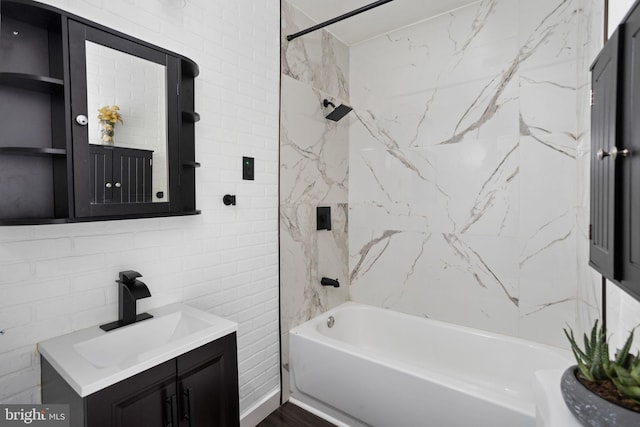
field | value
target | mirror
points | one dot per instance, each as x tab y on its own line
131	94
143	163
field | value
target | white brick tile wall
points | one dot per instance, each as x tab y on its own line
16	360
58	278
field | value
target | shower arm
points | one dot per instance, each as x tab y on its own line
337	19
326	103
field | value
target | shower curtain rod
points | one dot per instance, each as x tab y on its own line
337	19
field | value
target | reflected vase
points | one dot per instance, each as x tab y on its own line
107	130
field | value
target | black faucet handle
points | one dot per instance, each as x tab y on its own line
128	277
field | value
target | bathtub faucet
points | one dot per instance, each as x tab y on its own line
325	281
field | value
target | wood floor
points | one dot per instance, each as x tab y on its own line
290	415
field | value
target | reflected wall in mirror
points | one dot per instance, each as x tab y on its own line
139	88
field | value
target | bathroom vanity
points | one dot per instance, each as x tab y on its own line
177	369
56	71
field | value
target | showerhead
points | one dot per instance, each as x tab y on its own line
338	112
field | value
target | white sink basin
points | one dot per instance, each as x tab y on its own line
140	341
92	359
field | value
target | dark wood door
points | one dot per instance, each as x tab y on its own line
128	199
630	164
120	175
208	385
146	399
132	173
605	132
101	171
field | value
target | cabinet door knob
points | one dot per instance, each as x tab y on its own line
82	120
613	153
621	153
108	185
118	185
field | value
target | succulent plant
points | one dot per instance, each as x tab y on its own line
594	364
626	369
593	361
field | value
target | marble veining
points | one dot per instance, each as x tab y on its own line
463	168
383	136
365	251
502	176
317	59
484	275
313	172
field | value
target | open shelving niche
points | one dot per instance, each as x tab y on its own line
34	166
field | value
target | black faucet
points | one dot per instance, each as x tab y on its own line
130	289
325	281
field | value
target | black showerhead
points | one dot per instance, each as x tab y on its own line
338	112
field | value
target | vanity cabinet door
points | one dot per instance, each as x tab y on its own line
208	385
146	399
605	131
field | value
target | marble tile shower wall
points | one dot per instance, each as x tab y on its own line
465	184
313	172
314	167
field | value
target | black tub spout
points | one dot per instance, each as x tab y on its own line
325	281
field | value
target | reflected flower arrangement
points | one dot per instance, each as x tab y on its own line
108	116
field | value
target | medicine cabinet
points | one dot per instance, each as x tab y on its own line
60	163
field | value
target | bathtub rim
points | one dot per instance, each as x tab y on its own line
308	330
309	326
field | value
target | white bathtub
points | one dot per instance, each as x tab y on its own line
382	368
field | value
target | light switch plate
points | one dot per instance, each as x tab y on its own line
247	168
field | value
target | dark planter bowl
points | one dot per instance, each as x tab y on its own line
589	408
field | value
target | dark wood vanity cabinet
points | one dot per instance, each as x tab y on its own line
47	162
208	386
196	389
147	399
615	157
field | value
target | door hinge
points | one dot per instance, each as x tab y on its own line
178	89
150	162
591	98
590	227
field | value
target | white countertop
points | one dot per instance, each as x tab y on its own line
87	375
